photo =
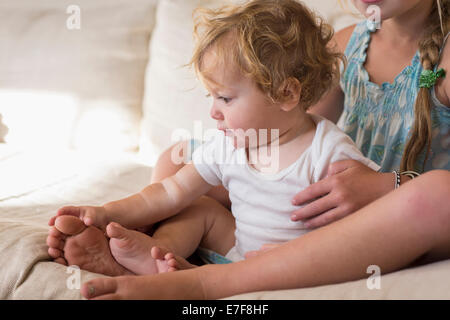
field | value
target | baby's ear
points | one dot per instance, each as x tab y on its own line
290	91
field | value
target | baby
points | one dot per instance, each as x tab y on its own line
264	64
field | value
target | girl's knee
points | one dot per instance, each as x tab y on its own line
428	194
436	183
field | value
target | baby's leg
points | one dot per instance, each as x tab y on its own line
204	223
127	243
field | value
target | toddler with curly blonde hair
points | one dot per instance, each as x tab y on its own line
264	63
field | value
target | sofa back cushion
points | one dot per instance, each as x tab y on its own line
73	75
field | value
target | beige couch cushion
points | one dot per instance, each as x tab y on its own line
81	88
174	99
33	193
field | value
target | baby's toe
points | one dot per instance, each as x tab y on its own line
56	233
69	225
169	256
61	260
55	253
157	253
54	242
172	263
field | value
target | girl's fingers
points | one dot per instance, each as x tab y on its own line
325	218
312	192
314	208
339	166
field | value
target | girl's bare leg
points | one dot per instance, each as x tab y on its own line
392	232
410	223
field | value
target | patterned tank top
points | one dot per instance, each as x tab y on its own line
379	118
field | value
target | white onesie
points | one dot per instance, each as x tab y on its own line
261	202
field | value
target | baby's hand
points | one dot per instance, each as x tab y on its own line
91	216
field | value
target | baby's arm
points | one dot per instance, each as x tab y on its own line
154	203
159	200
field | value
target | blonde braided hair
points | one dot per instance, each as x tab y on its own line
429	47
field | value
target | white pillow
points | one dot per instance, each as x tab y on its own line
174	99
339	16
68	87
3	130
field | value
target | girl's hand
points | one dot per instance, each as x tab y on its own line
349	186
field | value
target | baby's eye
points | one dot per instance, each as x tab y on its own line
225	99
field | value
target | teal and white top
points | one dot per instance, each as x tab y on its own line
379	118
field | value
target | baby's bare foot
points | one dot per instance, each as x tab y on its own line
132	250
174	262
72	243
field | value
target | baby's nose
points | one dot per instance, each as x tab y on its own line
216	114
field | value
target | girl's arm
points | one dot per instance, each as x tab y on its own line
332	103
159	200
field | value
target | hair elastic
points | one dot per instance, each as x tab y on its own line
428	78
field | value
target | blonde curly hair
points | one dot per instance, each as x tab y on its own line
271	41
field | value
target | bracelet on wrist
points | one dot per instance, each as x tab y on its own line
411	174
397	179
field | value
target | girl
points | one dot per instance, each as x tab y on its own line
412	221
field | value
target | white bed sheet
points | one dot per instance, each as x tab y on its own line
33	185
